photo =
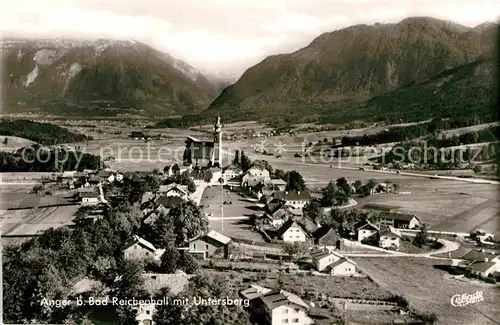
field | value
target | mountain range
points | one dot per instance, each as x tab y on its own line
418	68
100	77
342	73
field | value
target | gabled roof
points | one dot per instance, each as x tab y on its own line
317	255
173	186
477	255
232	167
138	240
342	260
293	196
255	291
390	231
368	225
288	224
398	216
277	298
89	195
169	201
481	266
284	212
146	197
323	231
207	143
214	235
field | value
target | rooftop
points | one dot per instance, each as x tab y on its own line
481	266
293	196
138	240
169	201
275	298
398	216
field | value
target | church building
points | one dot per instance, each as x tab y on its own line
204	153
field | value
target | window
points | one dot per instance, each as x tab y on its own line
206	247
284	321
286	311
295	320
296	310
135	246
148	312
194	246
147	253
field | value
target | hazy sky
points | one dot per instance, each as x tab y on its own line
222	35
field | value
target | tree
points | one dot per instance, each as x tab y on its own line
207	176
245	162
296	251
160	233
236	160
187	221
279	173
295	182
187	263
170	259
357	185
422	237
344	185
312	211
130	282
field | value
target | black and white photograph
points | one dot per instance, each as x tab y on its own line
250	162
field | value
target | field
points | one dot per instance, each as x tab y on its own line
428	289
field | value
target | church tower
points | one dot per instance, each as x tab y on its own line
217	156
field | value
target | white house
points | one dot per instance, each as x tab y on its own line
399	220
342	267
366	231
292	232
323	258
231	172
174	189
390	238
207	245
138	248
485	268
259	172
282	307
89	198
296	200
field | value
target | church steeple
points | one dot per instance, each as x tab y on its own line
217	155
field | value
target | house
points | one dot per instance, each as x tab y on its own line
106	175
209	244
291	232
151	216
174	189
326	236
169	202
276	184
366	231
282	307
231	173
153	282
273	205
119	177
295	200
138	248
343	266
279	216
399	220
89	198
254	292
259	171
321	259
484	269
475	255
389	238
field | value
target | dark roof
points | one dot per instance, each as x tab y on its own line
104	173
169	201
88	195
398	216
481	266
278	298
289	223
207	143
322	231
367	225
477	255
338	262
232	167
293	196
273	206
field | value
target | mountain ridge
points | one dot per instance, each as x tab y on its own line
101	77
352	65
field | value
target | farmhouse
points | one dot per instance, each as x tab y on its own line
276	184
279	216
209	244
89	198
291	232
321	259
342	267
232	173
399	220
366	231
174	189
389	238
138	248
326	236
282	307
255	291
475	255
295	200
258	171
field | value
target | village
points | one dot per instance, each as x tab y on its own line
288	244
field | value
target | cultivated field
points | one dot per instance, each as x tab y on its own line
429	289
